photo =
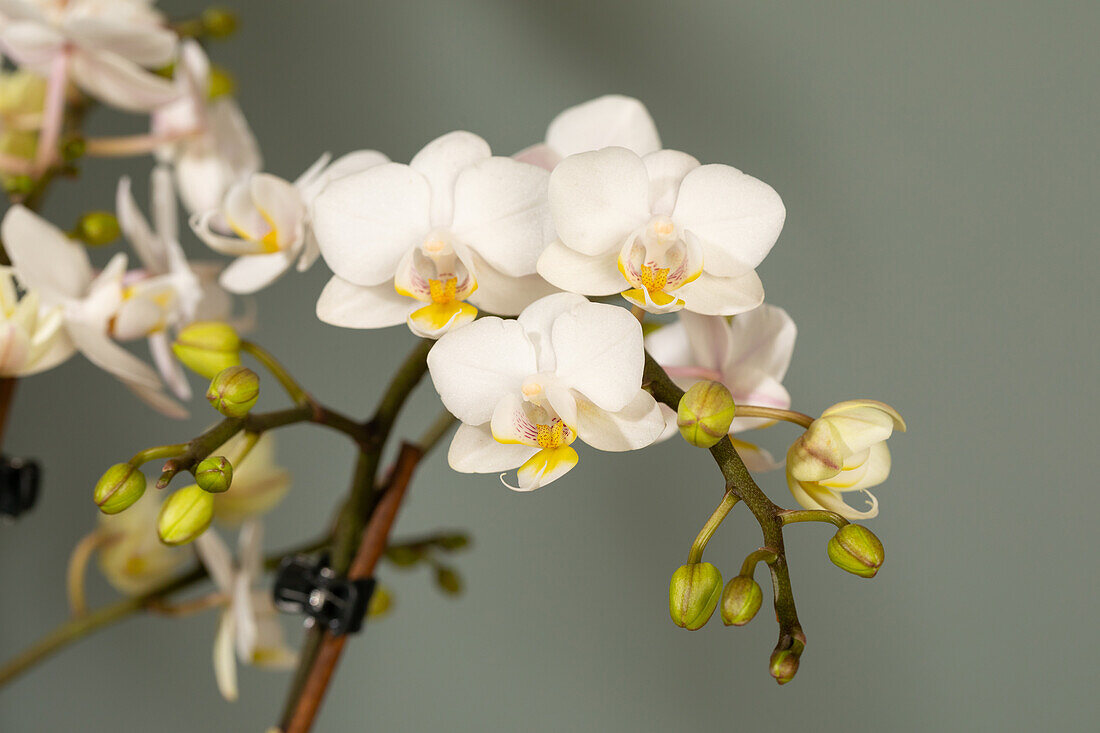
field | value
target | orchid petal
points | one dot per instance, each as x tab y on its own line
474	450
503	295
171	371
144	45
119	82
666	170
548	465
354	306
609	120
538	323
635	426
216	558
136	229
44	258
722	296
280	203
225	663
251	273
599	353
440	162
589	274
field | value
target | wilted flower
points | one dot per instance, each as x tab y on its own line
665	231
249	625
416	242
270	217
32	336
843	450
525	389
598	123
60	271
749	354
101	45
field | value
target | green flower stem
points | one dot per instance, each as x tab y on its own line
774	413
711	527
297	394
740	482
793	516
764	554
78	628
158	452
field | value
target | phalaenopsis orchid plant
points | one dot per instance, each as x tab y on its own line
594	288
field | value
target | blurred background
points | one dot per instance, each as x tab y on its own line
938	162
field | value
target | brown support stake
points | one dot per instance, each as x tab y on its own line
7	395
373	544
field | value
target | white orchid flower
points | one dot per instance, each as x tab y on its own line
749	354
92	305
259	483
664	230
270	217
32	336
131	556
525	389
104	46
413	243
844	450
249	625
213	147
598	123
169	292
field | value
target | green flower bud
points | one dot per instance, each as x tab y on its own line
119	488
214	474
381	601
20	185
208	347
856	549
97	228
185	515
404	556
234	391
73	149
219	22
222	83
705	413
448	580
740	601
693	594
452	542
784	665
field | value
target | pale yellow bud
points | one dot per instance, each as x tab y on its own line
234	391
208	347
817	454
705	413
185	515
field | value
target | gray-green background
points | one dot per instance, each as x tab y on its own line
938	161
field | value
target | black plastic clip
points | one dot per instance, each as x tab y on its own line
19	479
305	585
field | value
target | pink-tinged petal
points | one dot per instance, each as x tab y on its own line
755	387
503	295
602	122
349	305
861	406
145	45
763	339
441	161
722	296
500	212
44	258
599	353
14	10
119	82
666	169
710	339
872	472
578	273
31	44
597	199
669	346
473	367
252	273
754	457
541	155
635	426
538	319
366	222
474	450
736	217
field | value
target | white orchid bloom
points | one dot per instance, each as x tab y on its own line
92	305
525	389
249	625
259	483
32	336
598	123
664	230
844	450
749	354
270	217
169	292
214	146
413	243
131	556
104	46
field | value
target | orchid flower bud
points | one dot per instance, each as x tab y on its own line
119	488
693	594
234	391
215	474
97	228
185	515
784	665
705	413
741	600
449	581
219	22
856	549
381	601
208	347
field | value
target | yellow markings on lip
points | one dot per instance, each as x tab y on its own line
551	436
434	318
443	291
654	279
